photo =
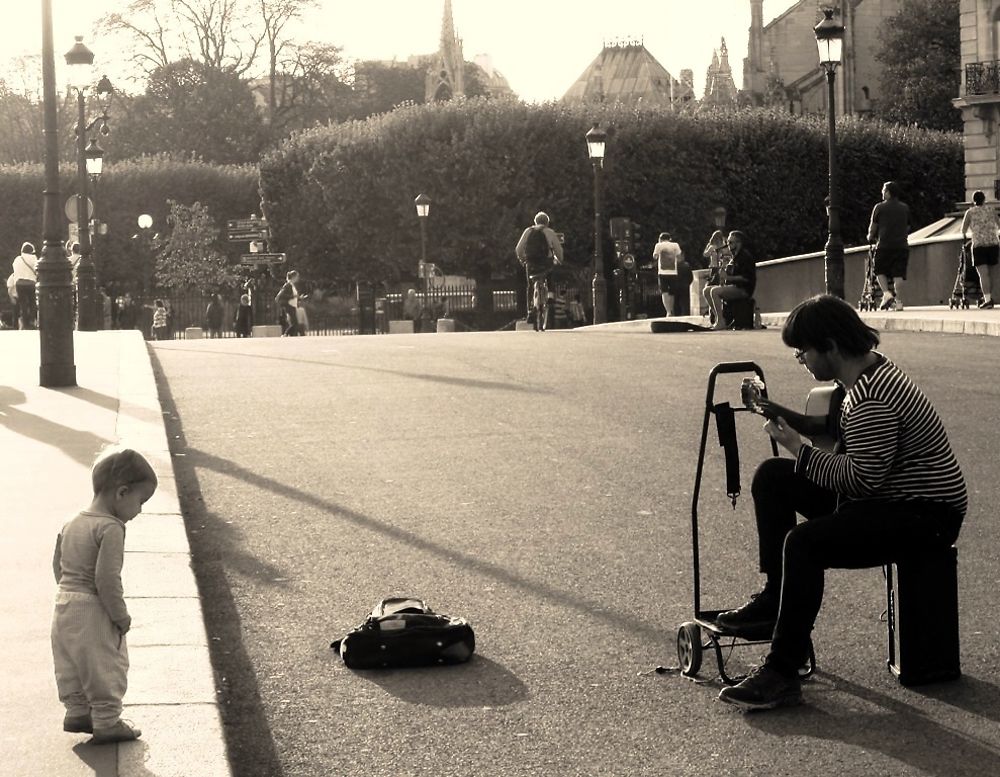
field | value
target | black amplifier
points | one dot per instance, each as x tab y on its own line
922	593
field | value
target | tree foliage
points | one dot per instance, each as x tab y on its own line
188	257
189	111
920	53
340	198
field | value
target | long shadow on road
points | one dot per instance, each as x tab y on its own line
490	385
898	730
464	560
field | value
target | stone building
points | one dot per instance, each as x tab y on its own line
626	72
446	74
979	95
720	88
782	66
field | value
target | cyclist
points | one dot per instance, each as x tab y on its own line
537	249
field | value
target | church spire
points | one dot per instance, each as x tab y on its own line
446	76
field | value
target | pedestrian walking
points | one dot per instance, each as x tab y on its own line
21	286
127	314
981	221
287	300
889	231
213	316
674	275
91	619
243	323
160	330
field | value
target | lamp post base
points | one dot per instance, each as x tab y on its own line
599	289
57	368
834	268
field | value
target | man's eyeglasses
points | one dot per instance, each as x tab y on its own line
800	355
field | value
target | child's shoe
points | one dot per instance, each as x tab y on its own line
78	724
120	732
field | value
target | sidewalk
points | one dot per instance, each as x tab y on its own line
48	440
929	318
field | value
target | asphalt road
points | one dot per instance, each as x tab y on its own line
540	485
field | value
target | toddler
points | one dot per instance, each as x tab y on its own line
90	620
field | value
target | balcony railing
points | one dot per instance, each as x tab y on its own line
982	77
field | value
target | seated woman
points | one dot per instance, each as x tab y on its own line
738	281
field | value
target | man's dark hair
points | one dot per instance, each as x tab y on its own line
893	188
819	320
979	198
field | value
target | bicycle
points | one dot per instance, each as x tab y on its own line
540	298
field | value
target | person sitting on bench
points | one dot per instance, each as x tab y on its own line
737	280
891	487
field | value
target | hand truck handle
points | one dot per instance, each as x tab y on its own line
729	367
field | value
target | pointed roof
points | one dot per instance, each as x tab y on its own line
720	89
625	73
447	26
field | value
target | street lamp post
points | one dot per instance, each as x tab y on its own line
830	43
55	278
145	223
90	160
423	203
596	138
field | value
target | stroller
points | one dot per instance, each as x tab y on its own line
871	292
967	285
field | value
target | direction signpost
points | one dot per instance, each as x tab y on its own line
247	230
262	259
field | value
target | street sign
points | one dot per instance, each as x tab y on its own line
262	259
71	208
246	230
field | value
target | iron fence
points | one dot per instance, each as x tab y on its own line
325	314
982	77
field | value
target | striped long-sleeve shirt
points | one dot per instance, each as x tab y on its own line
895	446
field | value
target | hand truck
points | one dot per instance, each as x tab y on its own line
702	633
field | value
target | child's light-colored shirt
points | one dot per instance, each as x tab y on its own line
89	554
159	317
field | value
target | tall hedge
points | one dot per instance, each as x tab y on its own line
340	198
125	191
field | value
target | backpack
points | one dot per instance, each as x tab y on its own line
536	247
404	631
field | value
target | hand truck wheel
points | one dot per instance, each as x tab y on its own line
689	648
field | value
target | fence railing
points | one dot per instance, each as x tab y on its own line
326	314
982	77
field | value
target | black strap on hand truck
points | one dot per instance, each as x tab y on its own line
725	422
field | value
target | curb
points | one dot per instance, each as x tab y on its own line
171	682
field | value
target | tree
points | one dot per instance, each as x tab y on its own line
379	87
920	54
216	33
190	110
310	87
188	259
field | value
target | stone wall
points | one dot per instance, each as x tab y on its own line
933	267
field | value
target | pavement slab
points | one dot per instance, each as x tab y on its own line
48	441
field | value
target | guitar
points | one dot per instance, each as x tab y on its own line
821	401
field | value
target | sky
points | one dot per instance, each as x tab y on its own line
541	46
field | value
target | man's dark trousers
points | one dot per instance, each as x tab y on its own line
854	535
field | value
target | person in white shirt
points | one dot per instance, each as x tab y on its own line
674	274
21	286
